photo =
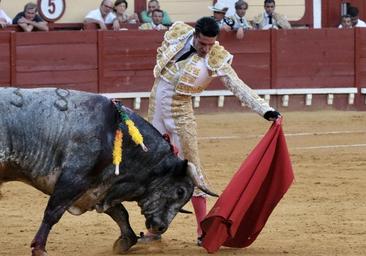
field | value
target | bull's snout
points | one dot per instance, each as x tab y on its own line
156	226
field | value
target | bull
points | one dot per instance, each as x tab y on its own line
61	142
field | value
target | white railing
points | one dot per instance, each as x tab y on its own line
266	93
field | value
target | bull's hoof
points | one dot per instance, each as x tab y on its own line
123	244
38	252
149	238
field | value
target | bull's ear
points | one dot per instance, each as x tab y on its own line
181	168
184	169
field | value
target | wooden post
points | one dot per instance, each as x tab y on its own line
140	5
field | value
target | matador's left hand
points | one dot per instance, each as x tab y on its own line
272	115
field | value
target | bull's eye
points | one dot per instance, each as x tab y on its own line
180	193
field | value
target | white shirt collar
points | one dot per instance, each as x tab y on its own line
191	42
238	17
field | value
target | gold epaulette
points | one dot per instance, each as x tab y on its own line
177	32
218	57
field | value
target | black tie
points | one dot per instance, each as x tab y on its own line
270	19
241	20
186	55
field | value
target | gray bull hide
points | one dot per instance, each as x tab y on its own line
61	143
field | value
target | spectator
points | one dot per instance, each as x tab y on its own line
100	16
219	12
29	20
346	21
356	22
156	23
269	18
240	22
119	16
4	19
146	15
230	4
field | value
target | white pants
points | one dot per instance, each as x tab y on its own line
172	113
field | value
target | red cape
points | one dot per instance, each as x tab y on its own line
243	209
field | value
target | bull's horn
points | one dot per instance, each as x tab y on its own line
195	176
185	211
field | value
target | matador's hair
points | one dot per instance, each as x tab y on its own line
207	26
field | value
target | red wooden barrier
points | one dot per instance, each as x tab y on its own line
128	58
331	11
360	65
251	57
361	57
313	58
65	58
107	61
5	61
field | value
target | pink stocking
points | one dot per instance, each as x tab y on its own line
199	206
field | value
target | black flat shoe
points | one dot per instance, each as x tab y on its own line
199	241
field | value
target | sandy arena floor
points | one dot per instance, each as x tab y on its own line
323	213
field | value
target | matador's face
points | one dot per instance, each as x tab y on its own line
203	44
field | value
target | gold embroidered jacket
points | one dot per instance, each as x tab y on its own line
193	75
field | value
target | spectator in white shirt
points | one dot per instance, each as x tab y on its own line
4	19
346	21
270	19
219	14
240	22
100	16
356	22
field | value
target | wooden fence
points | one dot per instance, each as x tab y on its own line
294	69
